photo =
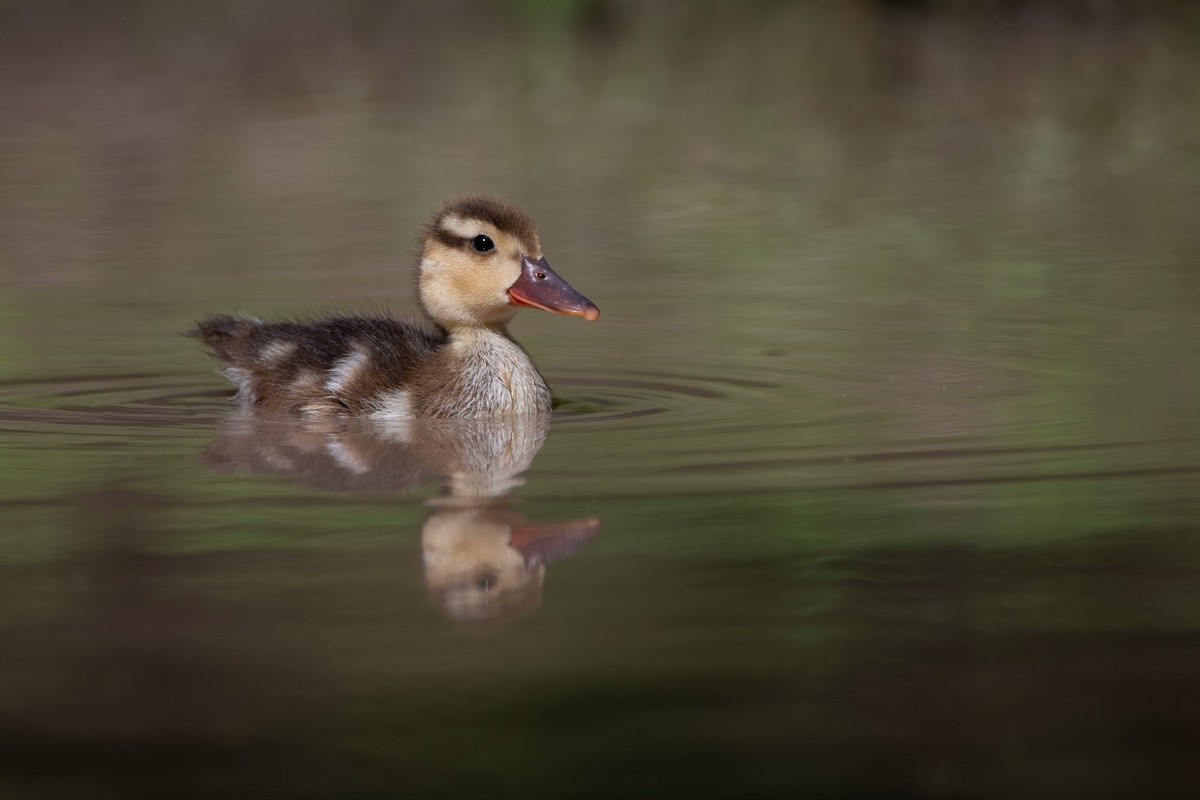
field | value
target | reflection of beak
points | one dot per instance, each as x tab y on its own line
541	544
540	287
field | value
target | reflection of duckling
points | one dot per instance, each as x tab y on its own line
482	559
478	460
481	259
489	562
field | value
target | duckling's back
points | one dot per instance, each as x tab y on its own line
340	365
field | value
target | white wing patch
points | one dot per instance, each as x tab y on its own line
393	404
277	350
345	370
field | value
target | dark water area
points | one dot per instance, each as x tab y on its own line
878	476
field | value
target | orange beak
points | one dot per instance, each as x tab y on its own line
540	287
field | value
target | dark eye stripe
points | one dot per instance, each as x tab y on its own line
449	239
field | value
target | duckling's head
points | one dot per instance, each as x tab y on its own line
481	259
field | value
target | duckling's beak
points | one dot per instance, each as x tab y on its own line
543	543
540	287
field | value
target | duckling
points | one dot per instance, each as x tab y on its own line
481	260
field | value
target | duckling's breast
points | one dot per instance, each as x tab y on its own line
482	375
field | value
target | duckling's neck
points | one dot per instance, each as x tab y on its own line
496	372
471	336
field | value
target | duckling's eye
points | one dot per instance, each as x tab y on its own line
482	244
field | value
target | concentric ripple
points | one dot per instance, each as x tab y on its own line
141	399
102	403
671	431
649	398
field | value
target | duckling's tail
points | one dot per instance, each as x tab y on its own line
227	337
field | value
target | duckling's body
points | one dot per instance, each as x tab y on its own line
480	260
374	366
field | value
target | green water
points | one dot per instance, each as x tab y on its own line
879	474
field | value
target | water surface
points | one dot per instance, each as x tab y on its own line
880	473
